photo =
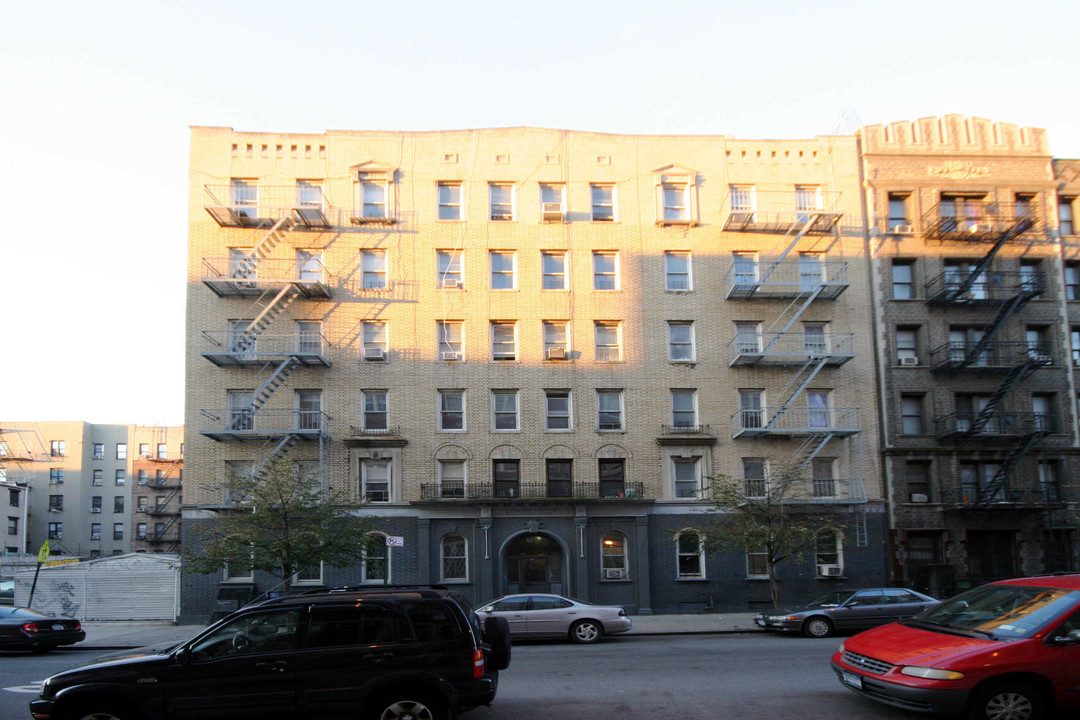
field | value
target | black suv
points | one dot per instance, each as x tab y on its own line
386	654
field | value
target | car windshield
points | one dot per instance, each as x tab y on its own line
20	613
833	599
1001	612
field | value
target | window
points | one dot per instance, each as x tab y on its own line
811	270
450	201
1074	342
375	480
757	563
1072	281
308	405
1058	544
1048	481
503	269
162	451
1031	276
911	414
308	337
815	339
553	266
613	563
557	410
609	408
143	477
608	345
504	341
99	451
903	279
118	531
819	414
827	553
56	476
375	412
121	451
309	266
687	478
372	187
898	212
907	345
140	531
450	337
1037	340
452	410
507	476
822	478
244	196
924	548
677	272
99	478
690	556
451	265
120	477
975	482
680	341
556	339
95	531
504	411
684	408
56	530
56	503
375	343
57	448
612	477
144	450
141	503
751	409
754	483
603	202
13	527
748	338
118	504
1042	412
745	269
968	407
560	477
552	202
605	270
451	478
501	198
455	567
807	200
676	199
957	272
375	565
13	496
238	571
373	267
1065	216
742	200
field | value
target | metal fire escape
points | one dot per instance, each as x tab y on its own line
980	286
802	281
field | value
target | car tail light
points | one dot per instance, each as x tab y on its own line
478	664
30	628
622	612
78	625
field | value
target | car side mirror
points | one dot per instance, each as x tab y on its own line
489	608
853	603
184	656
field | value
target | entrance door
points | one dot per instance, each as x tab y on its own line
533	565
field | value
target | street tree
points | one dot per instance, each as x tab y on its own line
280	522
770	518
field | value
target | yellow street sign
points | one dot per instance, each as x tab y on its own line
43	553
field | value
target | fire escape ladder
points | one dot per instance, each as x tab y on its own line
169	497
797	231
800	381
1015	375
1004	312
270	311
283	446
262	249
160	535
1016	454
277	379
809	449
1022	225
787	318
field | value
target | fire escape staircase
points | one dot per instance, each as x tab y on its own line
247	267
795	387
1021	226
159	536
283	446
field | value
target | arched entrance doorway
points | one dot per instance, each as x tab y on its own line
534	563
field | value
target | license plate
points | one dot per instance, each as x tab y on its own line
760	622
58	626
852	680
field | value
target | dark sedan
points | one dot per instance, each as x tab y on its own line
847	610
26	629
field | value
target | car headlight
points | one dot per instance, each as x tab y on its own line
931	673
841	648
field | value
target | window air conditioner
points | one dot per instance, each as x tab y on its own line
901	229
451	283
614	574
95	510
909	360
553	212
556	353
919	498
741	218
828	570
142	510
451	356
374	354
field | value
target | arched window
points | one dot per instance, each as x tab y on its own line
690	555
455	564
613	562
829	554
375	567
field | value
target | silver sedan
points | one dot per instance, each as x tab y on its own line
543	615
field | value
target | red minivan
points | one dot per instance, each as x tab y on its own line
1008	650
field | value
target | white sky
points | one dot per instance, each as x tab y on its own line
96	99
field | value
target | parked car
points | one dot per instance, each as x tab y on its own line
7	591
847	610
546	615
386	654
26	629
1009	650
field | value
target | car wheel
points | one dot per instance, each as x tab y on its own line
408	705
1007	701
497	636
586	631
817	627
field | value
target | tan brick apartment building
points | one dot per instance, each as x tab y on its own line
527	351
976	292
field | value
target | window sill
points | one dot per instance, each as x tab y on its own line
691	579
757	578
616	582
611	432
682	362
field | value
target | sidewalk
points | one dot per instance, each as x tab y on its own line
122	635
